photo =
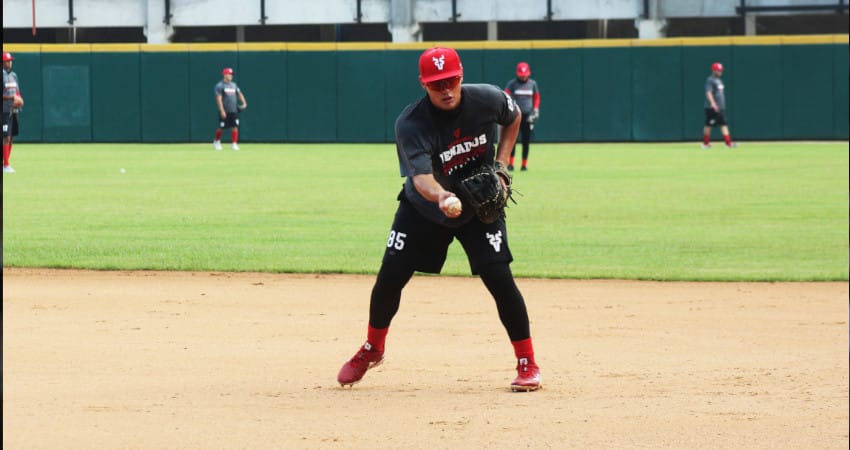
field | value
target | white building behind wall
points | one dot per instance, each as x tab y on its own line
158	17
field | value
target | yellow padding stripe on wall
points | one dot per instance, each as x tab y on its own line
462	45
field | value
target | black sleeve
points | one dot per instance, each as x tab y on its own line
507	109
413	147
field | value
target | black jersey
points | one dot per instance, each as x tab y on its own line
450	144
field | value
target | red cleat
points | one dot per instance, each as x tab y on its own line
528	377
353	370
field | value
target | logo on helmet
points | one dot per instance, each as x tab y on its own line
439	62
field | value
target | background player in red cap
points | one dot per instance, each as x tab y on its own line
12	102
229	99
440	139
715	107
524	90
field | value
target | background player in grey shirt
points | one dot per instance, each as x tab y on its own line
715	107
12	102
229	100
524	90
441	139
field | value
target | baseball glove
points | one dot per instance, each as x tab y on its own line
484	192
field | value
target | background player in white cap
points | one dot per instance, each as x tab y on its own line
229	100
441	139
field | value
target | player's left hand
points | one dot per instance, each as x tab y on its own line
534	116
487	191
243	107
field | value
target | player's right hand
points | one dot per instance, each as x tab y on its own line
447	206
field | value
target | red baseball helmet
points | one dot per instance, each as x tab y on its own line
717	67
7	57
439	63
523	70
227	71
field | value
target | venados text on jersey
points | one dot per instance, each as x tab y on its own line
463	148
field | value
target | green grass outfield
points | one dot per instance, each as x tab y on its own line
659	211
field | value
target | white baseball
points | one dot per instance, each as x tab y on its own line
122	170
453	205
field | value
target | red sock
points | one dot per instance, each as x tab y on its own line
524	349
512	161
377	337
706	139
524	162
234	135
728	139
218	134
7	151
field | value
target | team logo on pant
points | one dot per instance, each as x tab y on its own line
495	240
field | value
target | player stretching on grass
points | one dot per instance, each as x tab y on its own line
441	138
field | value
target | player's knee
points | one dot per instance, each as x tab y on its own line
392	277
498	278
496	269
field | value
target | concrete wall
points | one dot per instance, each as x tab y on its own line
120	13
89	13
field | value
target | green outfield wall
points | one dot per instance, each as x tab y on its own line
778	87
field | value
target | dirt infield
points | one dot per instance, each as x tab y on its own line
220	360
